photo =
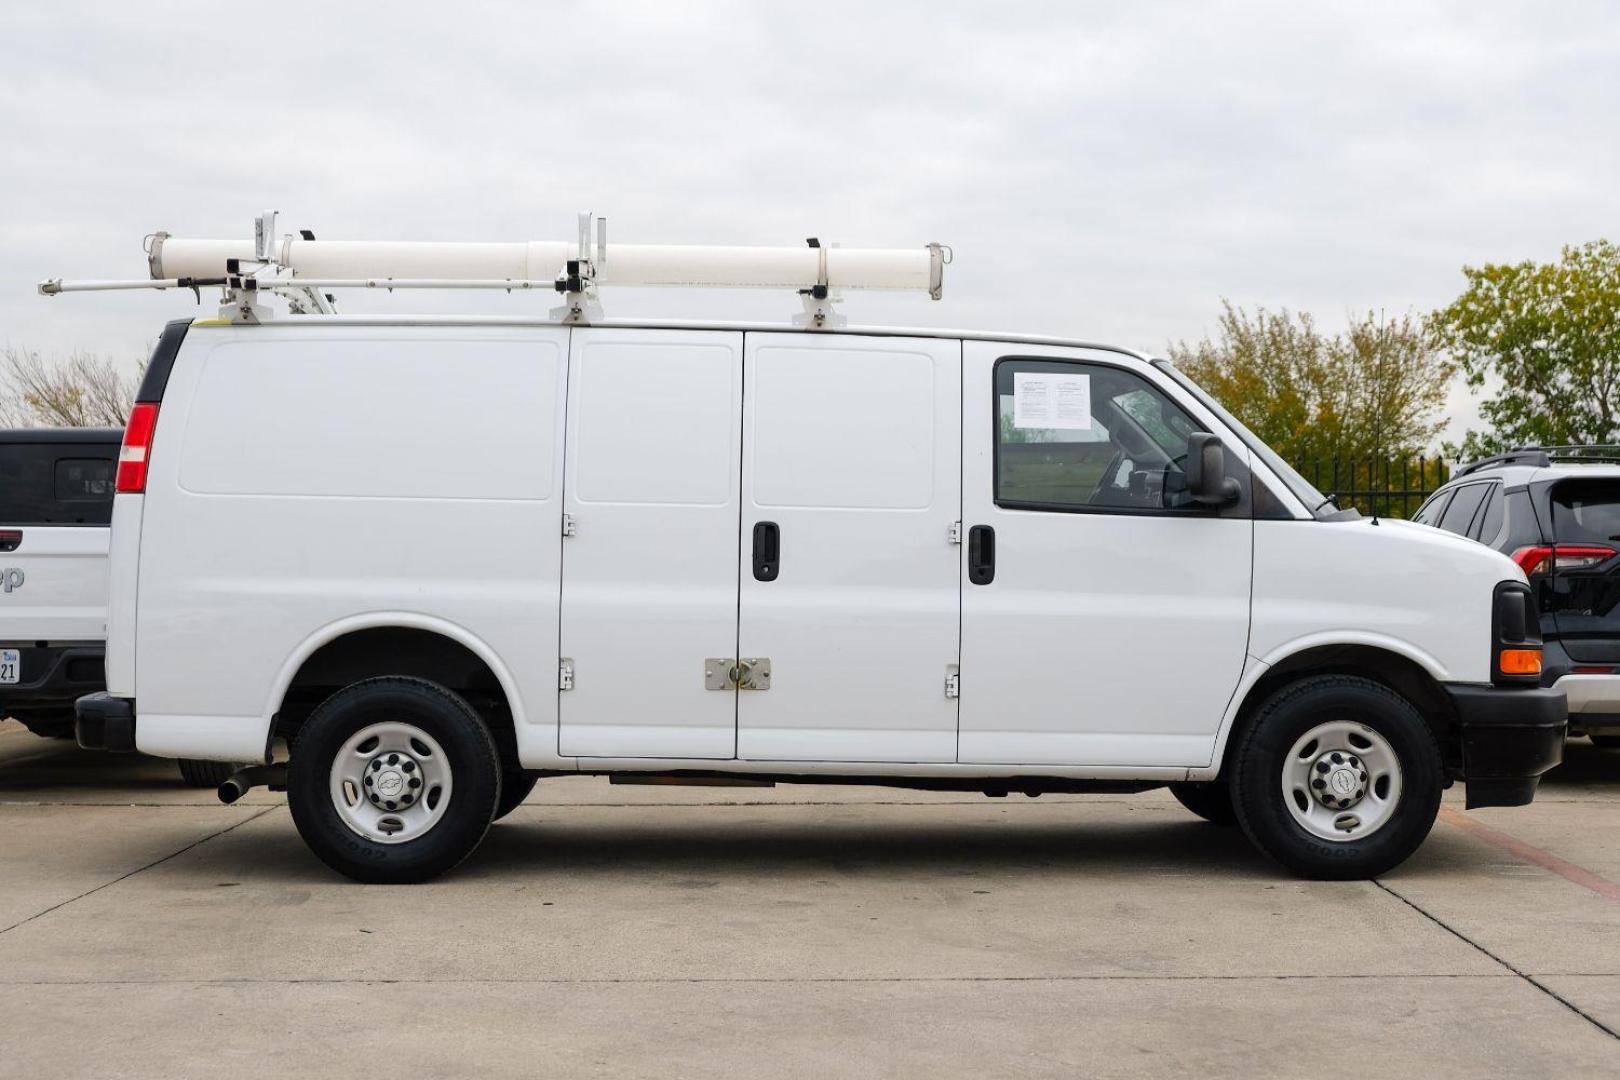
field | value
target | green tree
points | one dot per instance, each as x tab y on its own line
1545	338
1374	391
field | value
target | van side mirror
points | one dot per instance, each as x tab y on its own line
1207	482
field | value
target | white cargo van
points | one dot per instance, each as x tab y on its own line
442	557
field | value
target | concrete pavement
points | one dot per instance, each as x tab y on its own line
797	931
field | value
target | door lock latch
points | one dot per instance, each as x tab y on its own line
742	673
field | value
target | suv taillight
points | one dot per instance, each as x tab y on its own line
1546	558
137	448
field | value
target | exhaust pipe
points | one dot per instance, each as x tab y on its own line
245	779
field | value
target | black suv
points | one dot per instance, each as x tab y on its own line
1555	510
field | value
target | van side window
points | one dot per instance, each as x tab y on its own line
1460	514
1087	437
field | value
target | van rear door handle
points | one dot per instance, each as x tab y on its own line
981	555
767	551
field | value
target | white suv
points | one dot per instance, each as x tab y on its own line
441	558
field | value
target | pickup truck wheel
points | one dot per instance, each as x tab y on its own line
205	774
1211	801
1337	778
393	780
515	787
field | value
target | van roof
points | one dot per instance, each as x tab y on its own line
686	324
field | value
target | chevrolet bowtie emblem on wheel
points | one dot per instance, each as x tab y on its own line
11	579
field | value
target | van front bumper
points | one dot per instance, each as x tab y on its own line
1510	737
105	722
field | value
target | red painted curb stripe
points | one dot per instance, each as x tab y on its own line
1565	869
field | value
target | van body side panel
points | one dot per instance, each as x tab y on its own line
852	470
650	576
1417	591
304	475
1104	638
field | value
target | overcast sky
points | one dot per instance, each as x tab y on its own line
1108	171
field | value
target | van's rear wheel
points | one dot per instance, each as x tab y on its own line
1211	801
1338	777
393	780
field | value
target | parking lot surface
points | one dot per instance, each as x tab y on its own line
626	931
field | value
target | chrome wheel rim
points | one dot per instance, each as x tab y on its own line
390	782
1341	781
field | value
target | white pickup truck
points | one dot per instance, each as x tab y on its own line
56	498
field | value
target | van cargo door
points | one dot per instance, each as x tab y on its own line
1583	594
850	602
649	592
55	506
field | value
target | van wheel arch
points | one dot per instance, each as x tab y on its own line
402	651
1399	673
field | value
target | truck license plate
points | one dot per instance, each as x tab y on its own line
10	666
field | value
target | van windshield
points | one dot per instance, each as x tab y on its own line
1316	502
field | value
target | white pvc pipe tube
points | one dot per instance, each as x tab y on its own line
625	264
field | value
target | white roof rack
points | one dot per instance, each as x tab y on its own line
303	269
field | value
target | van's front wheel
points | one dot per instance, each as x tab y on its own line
393	780
1338	777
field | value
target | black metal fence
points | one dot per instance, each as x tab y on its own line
1389	487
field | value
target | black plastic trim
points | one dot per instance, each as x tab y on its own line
162	362
47	682
1510	737
105	722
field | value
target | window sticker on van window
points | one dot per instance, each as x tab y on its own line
1042	399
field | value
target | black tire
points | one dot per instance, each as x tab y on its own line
515	787
474	765
1607	742
1211	801
1284	719
205	774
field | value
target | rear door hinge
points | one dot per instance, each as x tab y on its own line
565	673
956	532
569	525
953	682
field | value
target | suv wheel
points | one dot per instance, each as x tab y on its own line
393	780
1338	777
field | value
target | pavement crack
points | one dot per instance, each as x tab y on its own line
1531	979
137	870
742	980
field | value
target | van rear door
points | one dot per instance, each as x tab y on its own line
55	507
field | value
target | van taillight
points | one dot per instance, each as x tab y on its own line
1546	558
137	448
